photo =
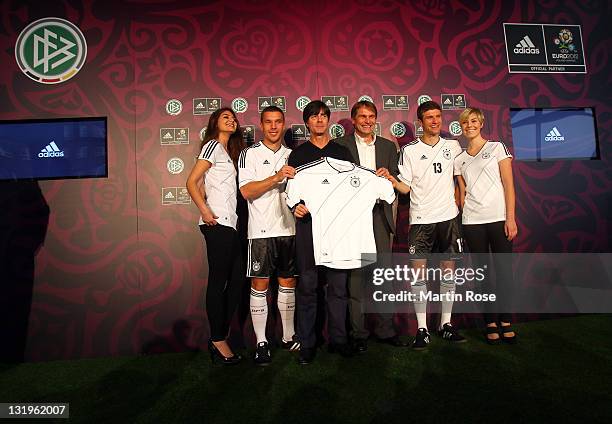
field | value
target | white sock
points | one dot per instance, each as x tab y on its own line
259	313
286	308
447	286
419	289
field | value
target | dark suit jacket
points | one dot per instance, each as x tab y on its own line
386	157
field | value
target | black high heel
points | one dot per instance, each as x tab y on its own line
217	357
505	329
492	330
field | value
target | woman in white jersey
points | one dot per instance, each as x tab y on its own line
484	173
213	188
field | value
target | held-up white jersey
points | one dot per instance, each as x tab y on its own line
340	197
269	215
484	192
220	184
428	170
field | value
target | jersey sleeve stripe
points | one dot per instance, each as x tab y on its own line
242	159
401	151
506	149
309	165
366	169
210	149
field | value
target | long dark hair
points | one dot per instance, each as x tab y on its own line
235	144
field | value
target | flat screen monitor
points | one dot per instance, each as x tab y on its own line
542	134
46	149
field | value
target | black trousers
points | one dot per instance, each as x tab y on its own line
483	239
306	292
360	285
226	271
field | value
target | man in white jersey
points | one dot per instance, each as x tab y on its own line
426	171
263	172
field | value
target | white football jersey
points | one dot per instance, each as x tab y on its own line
220	184
428	170
340	197
269	215
484	192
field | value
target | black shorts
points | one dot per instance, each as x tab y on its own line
266	255
440	237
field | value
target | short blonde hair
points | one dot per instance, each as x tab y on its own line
471	110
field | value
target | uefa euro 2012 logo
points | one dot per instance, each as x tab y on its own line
564	40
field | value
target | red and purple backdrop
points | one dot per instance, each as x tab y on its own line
120	273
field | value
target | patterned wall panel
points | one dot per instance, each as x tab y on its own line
122	267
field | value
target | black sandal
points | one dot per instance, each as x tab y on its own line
505	329
492	330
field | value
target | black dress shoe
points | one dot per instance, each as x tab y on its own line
344	349
394	341
306	356
360	345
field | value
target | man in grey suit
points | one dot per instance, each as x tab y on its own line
380	154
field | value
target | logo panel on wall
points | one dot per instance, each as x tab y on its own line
453	101
336	131
299	133
418	129
301	103
240	105
248	134
395	102
51	50
397	129
422	99
455	128
172	136
206	105
174	107
336	103
534	48
175	196
175	165
278	101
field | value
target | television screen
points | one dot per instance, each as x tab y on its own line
44	149
554	133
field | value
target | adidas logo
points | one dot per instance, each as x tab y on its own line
325	181
265	103
167	136
299	131
51	151
169	195
423	157
448	101
554	135
200	106
526	46
389	102
329	103
266	162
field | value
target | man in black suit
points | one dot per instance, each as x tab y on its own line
371	151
